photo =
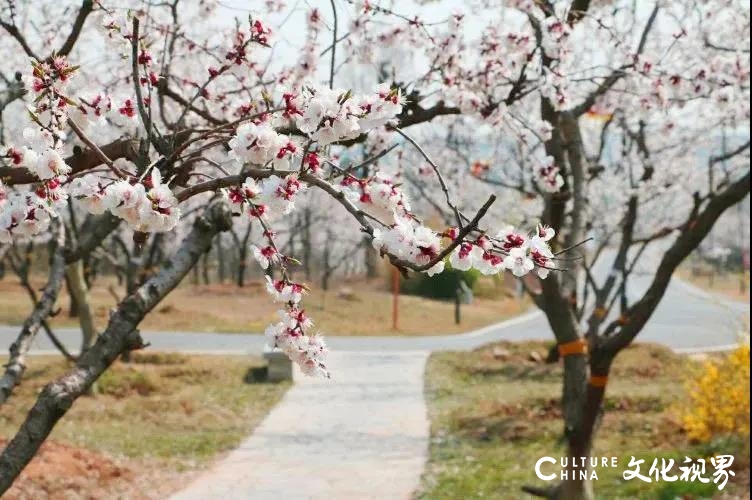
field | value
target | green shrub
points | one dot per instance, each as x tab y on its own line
439	286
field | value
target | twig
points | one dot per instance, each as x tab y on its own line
13	31
574	246
85	139
56	342
145	120
435	168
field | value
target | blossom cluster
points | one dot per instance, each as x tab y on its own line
146	205
411	241
259	199
508	250
268	197
379	190
258	143
331	115
326	116
548	177
290	334
25	214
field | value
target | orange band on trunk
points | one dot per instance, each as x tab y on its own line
598	380
578	346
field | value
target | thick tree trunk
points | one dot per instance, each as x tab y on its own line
580	441
74	274
563	323
120	336
205	267
370	258
221	262
577	486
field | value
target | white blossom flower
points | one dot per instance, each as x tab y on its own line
518	262
49	164
265	256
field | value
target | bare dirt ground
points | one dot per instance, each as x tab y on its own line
61	471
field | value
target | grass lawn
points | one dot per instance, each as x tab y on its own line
494	413
360	308
152	424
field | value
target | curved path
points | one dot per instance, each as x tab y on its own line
364	433
687	319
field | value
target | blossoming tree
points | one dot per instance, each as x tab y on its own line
176	118
621	156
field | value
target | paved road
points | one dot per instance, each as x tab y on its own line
687	319
362	434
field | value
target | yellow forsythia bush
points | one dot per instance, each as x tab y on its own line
718	402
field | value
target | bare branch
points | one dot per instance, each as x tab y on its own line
695	229
16	365
436	170
13	31
87	6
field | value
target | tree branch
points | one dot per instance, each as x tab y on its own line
16	365
13	31
79	161
693	233
87	6
120	336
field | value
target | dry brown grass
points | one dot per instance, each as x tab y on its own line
726	284
363	309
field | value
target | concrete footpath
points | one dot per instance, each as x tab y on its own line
361	434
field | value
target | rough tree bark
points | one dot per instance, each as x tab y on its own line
563	323
120	335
